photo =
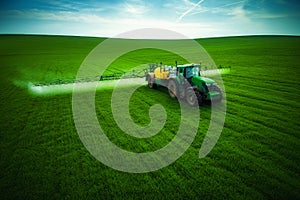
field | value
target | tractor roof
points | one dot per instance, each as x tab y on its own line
189	65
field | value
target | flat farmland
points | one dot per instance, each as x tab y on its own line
257	154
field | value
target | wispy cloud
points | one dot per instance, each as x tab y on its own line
189	10
65	5
281	2
240	14
67	16
95	25
219	9
135	7
268	15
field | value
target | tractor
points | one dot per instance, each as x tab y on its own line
184	82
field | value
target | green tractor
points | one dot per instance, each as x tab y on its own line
184	82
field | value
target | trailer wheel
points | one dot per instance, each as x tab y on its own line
151	83
173	89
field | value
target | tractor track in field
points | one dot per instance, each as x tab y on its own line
260	104
254	135
258	123
269	113
264	98
262	87
278	142
259	108
264	80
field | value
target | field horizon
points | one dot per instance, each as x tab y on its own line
257	154
103	37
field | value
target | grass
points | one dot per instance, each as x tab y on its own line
257	155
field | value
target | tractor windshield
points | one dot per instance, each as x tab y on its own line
192	71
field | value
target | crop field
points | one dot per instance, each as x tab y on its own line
256	157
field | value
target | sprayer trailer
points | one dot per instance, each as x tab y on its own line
184	82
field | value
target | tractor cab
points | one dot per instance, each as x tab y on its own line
207	87
189	71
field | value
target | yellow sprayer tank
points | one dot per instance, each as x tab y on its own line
160	73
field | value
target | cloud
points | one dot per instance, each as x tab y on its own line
268	15
97	25
239	13
281	1
68	16
135	8
268	10
190	9
225	9
221	9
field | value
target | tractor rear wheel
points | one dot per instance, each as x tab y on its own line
173	89
193	97
151	83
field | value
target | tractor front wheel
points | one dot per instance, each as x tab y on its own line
216	88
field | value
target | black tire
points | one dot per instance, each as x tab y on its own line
194	97
200	97
191	97
151	83
216	88
173	89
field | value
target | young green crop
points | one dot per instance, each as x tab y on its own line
257	155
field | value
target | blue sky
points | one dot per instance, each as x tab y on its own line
193	18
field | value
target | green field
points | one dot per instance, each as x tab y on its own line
256	157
